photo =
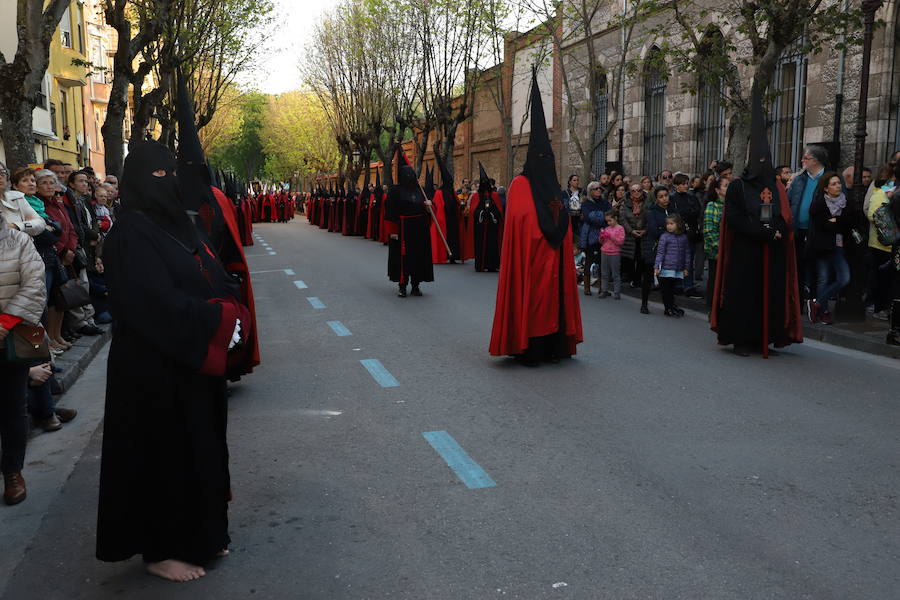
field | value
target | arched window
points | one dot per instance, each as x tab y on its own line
787	110
710	108
600	154
654	113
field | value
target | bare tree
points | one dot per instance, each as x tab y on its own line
573	26
22	77
448	31
767	28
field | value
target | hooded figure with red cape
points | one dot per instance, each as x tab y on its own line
216	219
438	250
537	317
756	301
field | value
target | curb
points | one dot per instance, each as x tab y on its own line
871	341
77	359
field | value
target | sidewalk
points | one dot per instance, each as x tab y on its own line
76	360
864	337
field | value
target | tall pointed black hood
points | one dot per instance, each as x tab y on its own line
194	175
429	183
484	182
540	170
447	189
759	156
758	184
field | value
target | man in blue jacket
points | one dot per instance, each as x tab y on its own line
800	196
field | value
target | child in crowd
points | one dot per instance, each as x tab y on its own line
672	256
611	239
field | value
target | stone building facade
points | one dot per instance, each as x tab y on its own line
665	127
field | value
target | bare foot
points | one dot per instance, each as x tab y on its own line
175	570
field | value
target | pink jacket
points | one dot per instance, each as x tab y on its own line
611	240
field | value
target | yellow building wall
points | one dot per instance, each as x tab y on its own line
67	90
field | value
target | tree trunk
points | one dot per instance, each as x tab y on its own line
113	129
16	129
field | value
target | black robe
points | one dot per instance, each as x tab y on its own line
738	305
488	222
409	257
164	480
451	216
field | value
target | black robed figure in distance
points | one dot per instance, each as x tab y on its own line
487	218
407	224
164	481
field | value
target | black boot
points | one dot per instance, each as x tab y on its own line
415	290
402	292
893	336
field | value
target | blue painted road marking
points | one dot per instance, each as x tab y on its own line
339	328
300	285
316	303
456	458
289	272
379	373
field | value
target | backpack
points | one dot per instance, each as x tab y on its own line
885	225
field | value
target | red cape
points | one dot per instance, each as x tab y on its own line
438	250
467	228
249	358
528	288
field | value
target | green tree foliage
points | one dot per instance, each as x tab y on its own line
294	140
243	153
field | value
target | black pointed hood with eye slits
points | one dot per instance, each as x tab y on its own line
540	170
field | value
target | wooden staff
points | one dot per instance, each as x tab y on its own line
434	218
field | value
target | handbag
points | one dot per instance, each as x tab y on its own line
70	295
27	344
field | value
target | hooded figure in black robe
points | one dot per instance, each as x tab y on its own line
408	225
756	300
487	218
164	481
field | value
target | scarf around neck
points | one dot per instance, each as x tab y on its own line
837	204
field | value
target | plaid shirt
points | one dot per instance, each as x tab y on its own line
712	221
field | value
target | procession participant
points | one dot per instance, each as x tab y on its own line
362	221
487	225
466	235
166	408
438	250
375	208
407	224
383	236
451	212
537	315
217	222
756	300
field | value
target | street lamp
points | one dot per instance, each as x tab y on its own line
853	306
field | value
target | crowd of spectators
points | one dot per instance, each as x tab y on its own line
824	225
53	221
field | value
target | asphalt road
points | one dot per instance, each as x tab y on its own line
654	465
